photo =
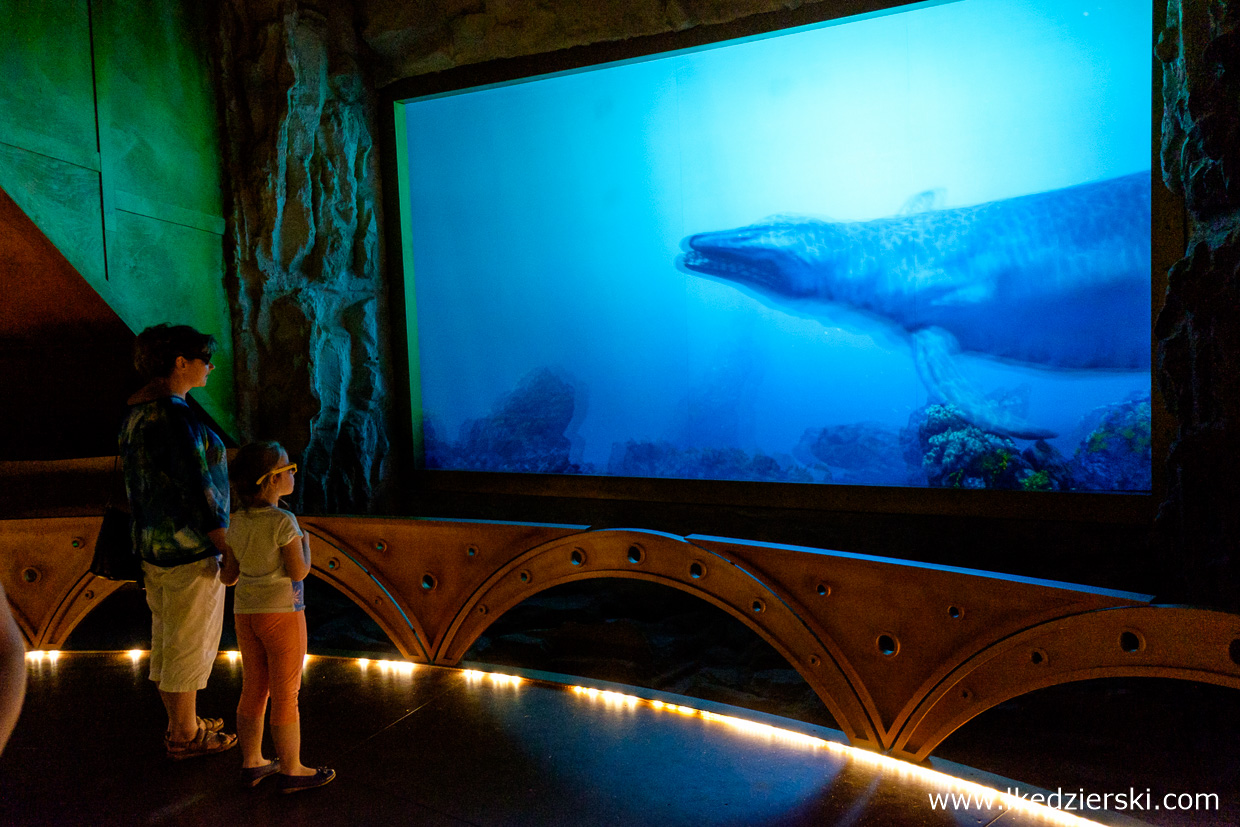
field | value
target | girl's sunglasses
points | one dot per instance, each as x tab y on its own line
291	468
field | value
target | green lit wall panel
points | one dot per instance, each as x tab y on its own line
157	269
124	149
47	97
158	125
62	199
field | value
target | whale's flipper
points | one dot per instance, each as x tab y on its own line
934	350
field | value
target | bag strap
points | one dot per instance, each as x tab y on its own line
117	481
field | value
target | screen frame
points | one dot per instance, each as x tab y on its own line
1169	219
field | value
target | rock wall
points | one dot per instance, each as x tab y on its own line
306	264
1198	330
415	38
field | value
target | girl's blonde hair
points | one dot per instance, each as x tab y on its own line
250	464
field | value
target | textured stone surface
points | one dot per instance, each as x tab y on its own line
1198	330
306	265
415	38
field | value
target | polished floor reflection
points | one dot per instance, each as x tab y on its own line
433	746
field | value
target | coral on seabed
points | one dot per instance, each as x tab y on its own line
862	453
662	459
958	454
524	433
1116	455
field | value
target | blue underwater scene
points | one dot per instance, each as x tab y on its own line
910	248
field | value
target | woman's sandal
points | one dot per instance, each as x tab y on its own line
204	743
209	724
297	783
251	776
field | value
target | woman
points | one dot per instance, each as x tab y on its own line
176	478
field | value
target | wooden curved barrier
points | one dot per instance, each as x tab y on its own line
1144	642
902	654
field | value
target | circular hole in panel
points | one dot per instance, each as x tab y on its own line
482	608
758	607
88	594
955	612
1129	641
814	660
696	570
823	590
77	542
380	545
636	554
966	694
333	564
1037	657
888	645
428	581
1234	651
471	551
577	558
525	577
30	574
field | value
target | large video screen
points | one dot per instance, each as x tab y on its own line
908	249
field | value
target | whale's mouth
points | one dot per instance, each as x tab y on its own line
730	267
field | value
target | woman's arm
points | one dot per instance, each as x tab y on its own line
230	572
296	556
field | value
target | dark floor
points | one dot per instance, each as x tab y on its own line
433	746
1114	735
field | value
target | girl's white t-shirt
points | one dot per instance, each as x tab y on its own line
256	536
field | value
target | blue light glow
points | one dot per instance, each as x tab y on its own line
559	329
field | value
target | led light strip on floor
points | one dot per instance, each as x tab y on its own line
886	764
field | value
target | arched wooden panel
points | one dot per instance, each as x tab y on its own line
670	561
1149	642
45	566
901	653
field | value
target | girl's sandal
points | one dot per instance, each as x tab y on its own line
204	743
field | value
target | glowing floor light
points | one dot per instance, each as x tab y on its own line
901	769
475	676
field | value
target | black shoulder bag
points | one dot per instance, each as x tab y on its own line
115	557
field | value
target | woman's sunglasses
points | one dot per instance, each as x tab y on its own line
291	468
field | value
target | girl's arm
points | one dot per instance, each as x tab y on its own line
296	556
230	572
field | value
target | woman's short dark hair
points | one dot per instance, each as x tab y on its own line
156	349
252	462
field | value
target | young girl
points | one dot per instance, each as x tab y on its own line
268	560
